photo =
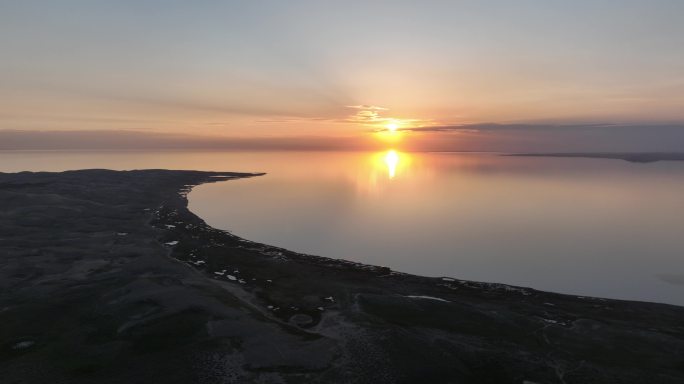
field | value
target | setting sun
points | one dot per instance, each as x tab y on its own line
392	127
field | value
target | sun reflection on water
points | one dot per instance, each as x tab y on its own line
391	160
378	171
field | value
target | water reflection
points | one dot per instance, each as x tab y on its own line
567	225
375	172
392	160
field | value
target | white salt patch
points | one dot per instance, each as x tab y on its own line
122	233
330	298
428	298
171	243
448	279
23	344
320	309
170	226
231	277
219	273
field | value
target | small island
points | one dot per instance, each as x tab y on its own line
633	157
107	277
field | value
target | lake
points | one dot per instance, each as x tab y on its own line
591	227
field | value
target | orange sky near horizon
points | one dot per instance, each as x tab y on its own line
312	69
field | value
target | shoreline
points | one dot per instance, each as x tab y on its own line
363	265
337	320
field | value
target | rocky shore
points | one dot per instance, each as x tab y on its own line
107	277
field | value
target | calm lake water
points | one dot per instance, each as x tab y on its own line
583	226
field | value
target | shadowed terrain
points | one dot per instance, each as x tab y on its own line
107	277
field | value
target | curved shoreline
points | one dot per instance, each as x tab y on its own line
98	241
232	227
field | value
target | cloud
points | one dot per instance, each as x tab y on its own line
495	127
145	140
516	138
173	100
534	138
368	107
373	115
366	114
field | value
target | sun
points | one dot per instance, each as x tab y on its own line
392	127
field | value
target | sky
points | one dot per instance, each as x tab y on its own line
466	75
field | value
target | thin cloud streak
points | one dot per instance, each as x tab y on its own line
482	137
144	140
373	115
543	127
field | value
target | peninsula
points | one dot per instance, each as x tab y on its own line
633	157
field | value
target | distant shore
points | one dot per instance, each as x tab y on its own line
108	277
636	157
